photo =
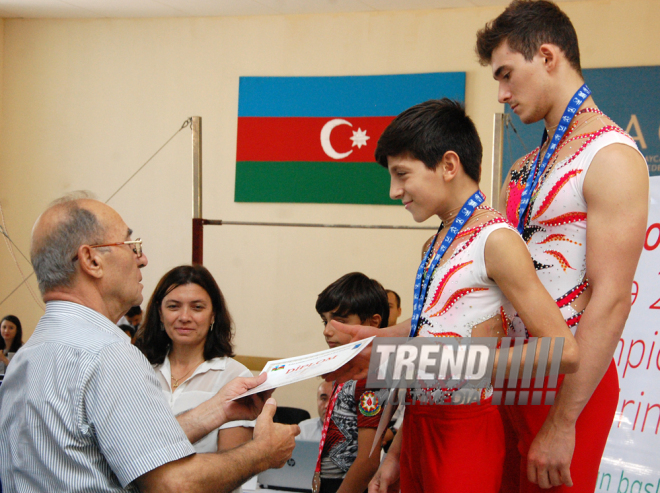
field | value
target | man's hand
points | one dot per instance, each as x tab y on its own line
272	446
386	478
549	457
220	409
358	367
276	440
247	408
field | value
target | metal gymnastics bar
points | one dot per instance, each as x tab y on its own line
220	222
198	222
499	121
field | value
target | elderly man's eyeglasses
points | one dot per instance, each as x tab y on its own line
137	247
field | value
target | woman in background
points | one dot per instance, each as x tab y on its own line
12	339
187	336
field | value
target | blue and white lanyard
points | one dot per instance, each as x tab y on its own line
534	175
421	282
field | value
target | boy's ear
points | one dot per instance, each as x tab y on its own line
374	321
451	163
550	54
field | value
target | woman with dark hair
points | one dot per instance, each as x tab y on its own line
11	340
187	336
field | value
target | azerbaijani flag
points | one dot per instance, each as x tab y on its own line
312	139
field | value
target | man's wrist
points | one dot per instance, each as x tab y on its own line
562	419
212	414
259	452
392	456
219	415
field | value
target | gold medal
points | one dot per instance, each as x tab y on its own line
316	482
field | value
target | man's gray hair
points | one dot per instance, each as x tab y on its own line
52	260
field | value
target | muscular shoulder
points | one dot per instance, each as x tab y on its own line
617	168
504	253
501	243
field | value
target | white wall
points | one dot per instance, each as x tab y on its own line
86	102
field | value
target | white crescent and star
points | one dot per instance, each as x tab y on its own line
359	138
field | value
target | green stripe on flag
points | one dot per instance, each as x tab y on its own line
312	182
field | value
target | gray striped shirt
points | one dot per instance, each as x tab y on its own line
81	409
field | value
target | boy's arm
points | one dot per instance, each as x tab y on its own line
358	367
362	470
387	477
509	264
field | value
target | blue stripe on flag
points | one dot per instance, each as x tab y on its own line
346	96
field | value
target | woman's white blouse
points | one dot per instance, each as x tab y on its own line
204	383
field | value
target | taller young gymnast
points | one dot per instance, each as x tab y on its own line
586	168
474	277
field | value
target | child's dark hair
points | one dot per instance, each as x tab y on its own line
527	24
430	129
355	294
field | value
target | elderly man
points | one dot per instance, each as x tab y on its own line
81	409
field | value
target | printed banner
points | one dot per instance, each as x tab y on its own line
630	463
312	139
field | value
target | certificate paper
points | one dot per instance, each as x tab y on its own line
291	370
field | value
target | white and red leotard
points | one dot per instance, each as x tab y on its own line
555	231
439	438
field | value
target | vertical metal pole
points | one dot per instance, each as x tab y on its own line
498	143
198	226
196	130
198	241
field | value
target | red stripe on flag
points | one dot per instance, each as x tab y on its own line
300	138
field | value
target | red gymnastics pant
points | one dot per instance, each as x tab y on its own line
522	423
452	448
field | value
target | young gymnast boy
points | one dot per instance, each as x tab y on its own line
474	277
354	411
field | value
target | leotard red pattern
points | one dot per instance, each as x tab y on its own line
556	231
440	438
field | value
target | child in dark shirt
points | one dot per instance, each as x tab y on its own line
346	466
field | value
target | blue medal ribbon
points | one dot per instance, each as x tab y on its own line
421	282
534	174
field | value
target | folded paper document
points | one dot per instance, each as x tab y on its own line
291	370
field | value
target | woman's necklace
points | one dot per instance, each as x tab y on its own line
177	381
